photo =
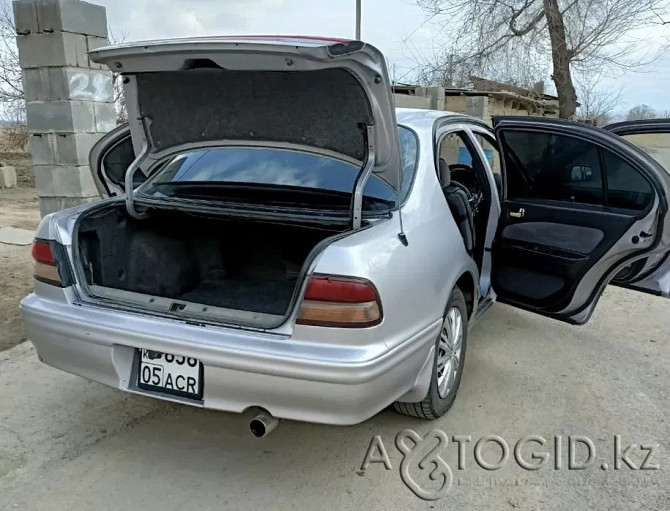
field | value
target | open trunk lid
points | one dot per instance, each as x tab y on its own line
331	97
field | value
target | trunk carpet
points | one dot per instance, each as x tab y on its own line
257	295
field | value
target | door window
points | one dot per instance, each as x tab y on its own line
552	167
562	168
454	151
460	157
116	161
656	144
626	188
490	151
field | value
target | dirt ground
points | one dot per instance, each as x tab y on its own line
18	208
23	165
68	443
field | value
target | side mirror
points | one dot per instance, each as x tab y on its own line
581	173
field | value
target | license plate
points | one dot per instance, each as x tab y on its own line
170	374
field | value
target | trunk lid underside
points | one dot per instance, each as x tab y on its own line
331	97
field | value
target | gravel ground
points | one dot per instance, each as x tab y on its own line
18	208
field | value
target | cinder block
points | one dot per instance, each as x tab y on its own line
50	205
34	84
25	17
435	94
74	148
64	83
53	204
44	117
477	106
93	43
72	16
70	202
61	116
64	181
90	85
62	148
52	50
42	148
34	16
7	177
105	117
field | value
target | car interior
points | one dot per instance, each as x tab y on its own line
567	202
464	183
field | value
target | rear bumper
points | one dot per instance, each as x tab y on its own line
300	380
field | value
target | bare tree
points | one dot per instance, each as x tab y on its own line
12	105
117	82
641	112
119	99
455	71
596	102
571	34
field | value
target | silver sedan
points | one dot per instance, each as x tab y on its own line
275	236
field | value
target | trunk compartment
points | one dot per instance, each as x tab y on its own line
179	262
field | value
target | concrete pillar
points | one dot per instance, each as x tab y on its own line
69	99
478	106
436	95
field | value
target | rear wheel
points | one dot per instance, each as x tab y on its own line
448	363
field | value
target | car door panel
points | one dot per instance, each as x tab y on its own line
561	237
655	282
651	275
554	245
573	238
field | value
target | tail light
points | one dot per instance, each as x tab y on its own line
344	302
46	269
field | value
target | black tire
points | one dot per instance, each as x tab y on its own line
434	405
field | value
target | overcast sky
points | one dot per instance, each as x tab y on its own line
395	26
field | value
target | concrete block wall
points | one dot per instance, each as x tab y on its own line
455	104
406	101
7	177
436	95
478	106
69	99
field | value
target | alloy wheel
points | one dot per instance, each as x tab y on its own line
449	351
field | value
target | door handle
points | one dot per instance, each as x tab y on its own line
518	214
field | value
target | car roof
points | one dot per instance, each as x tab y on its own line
417	117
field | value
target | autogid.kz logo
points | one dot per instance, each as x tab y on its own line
425	471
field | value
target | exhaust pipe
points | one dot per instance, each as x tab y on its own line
263	424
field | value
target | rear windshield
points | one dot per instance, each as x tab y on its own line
282	168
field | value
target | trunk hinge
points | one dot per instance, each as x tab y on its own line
361	181
401	235
359	187
130	174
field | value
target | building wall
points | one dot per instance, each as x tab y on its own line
406	101
500	106
485	107
455	104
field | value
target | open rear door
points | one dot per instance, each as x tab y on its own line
580	207
650	275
